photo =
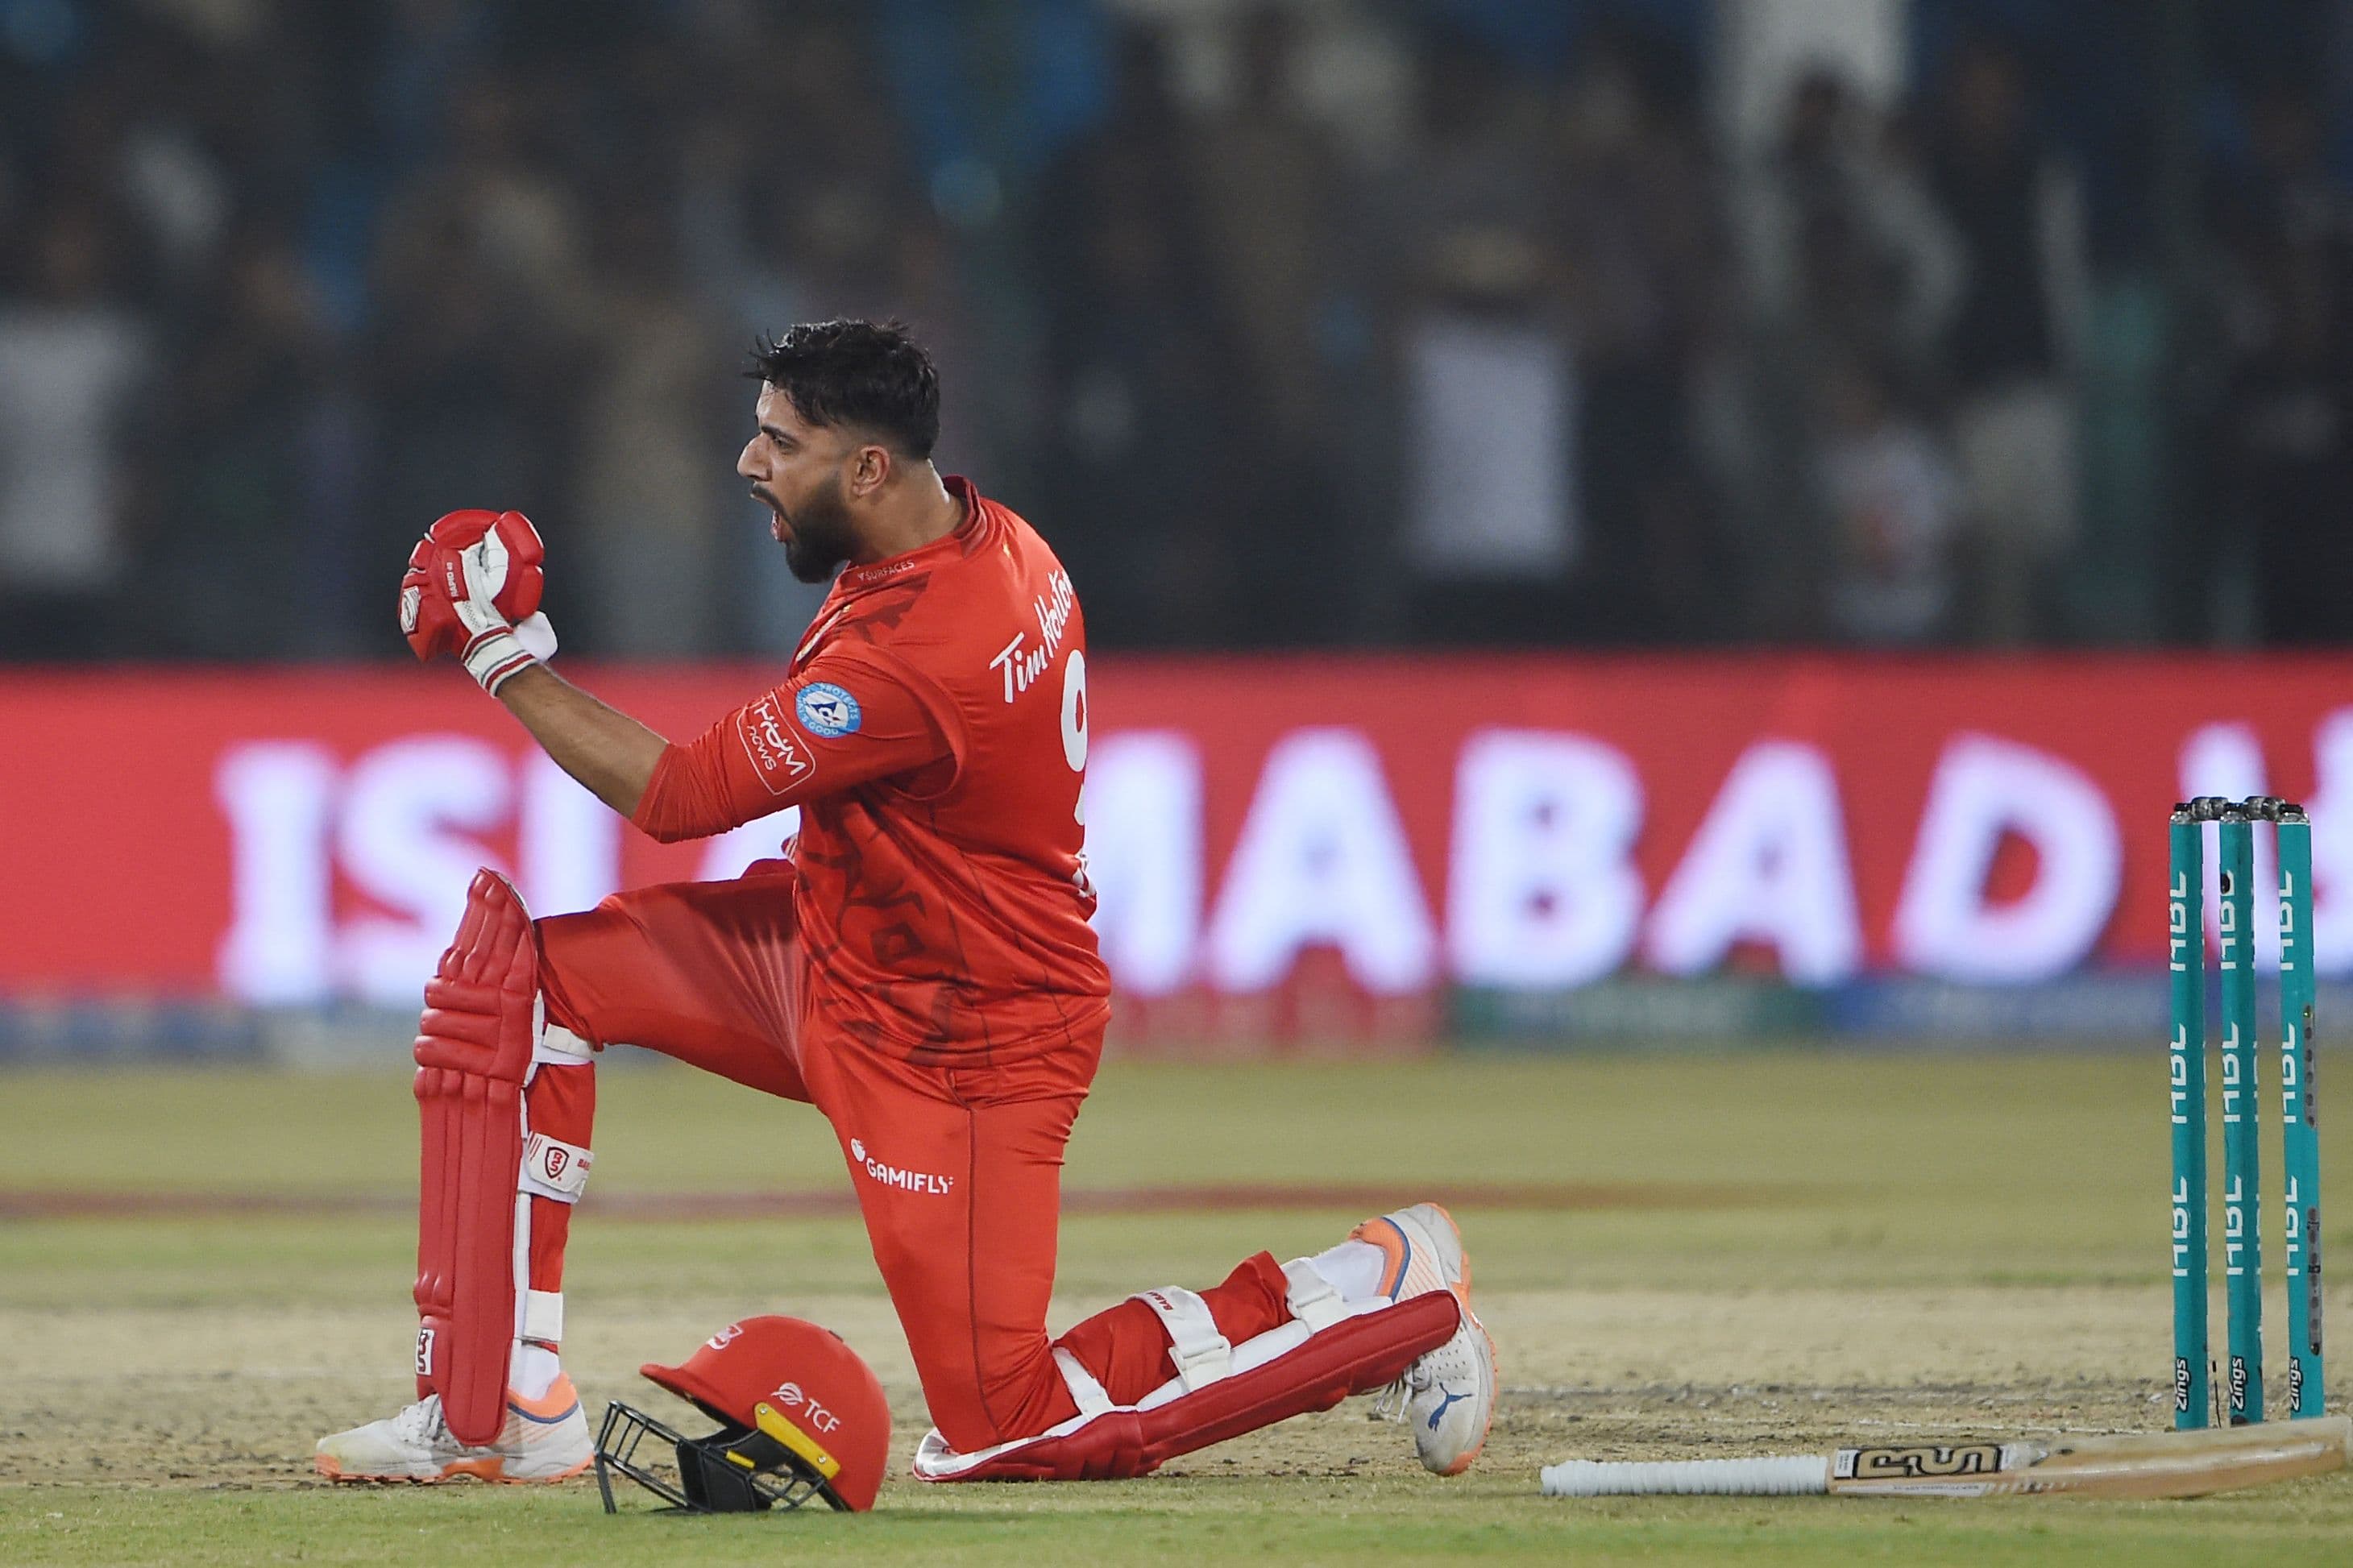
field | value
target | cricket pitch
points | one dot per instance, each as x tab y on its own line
1682	1257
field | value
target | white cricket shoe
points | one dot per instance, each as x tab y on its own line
1448	1396
545	1440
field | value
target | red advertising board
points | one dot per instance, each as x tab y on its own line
293	837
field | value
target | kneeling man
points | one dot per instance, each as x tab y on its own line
918	965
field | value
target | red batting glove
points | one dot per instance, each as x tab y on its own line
473	588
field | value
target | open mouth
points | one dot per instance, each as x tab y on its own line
777	527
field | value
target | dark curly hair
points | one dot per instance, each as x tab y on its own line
870	375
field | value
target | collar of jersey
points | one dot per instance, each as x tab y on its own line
906	560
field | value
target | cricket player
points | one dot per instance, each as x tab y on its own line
918	965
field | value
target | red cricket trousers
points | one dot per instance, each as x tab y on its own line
957	1169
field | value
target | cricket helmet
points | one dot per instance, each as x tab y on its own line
801	1415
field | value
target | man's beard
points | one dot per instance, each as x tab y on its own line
821	536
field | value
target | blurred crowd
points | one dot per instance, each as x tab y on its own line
1333	325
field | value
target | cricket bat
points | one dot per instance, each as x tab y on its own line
2134	1465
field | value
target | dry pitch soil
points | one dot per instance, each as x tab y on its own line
196	1392
1677	1259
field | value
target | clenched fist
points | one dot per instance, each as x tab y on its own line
473	589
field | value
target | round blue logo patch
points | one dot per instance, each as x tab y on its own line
827	711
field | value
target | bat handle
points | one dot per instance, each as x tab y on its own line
1793	1475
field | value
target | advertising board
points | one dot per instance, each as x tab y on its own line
1387	829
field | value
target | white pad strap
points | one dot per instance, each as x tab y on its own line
1200	1355
553	1169
542	1317
1088	1395
934	1460
559	1046
1312	1300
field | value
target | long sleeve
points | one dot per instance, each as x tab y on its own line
844	721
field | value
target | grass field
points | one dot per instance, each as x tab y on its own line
1680	1257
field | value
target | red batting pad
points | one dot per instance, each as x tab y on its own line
1351	1356
473	1051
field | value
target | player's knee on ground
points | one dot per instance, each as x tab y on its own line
1327	1348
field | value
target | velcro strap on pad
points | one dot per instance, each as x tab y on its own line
1200	1355
1086	1392
542	1317
553	1169
1312	1300
559	1047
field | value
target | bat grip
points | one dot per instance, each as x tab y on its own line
1794	1475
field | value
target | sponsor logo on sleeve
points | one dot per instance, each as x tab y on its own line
827	710
779	755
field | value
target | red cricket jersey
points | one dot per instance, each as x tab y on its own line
933	731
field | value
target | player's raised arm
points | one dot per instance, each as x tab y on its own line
473	589
613	755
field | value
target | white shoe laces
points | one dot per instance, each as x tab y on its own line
421	1423
1389	1404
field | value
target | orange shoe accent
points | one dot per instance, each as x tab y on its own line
560	1401
491	1471
553	1405
1467	1460
580	1468
1462	1286
1396	1252
336	1473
